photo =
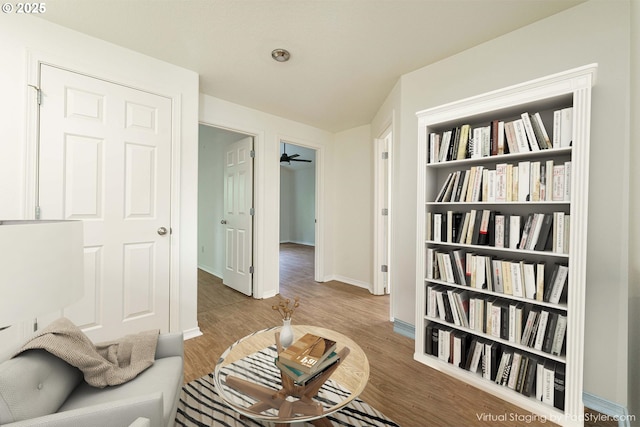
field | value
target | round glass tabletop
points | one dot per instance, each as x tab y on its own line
247	378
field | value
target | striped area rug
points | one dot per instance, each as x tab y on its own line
200	404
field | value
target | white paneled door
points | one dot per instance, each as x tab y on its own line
105	158
238	221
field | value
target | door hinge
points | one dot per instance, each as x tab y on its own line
252	153
385	211
385	155
384	268
251	270
252	211
38	94
38	212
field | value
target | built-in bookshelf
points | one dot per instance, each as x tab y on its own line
502	241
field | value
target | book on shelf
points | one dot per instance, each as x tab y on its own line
552	323
557	183
499	231
556	286
558	387
563	127
514	371
504	369
542	330
302	378
567	181
307	352
548	378
490	355
521	136
524	194
559	335
460	350
531	136
475	350
522	372
529	279
434	147
464	142
444	343
444	146
541	131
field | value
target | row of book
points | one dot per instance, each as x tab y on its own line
307	358
526	181
522	279
524	134
530	375
485	227
524	324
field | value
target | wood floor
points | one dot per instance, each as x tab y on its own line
406	391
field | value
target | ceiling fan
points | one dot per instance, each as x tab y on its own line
290	158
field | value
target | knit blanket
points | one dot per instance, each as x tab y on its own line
103	364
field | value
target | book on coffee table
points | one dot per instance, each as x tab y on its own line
307	353
302	378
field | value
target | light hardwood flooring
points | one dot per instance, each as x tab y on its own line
406	391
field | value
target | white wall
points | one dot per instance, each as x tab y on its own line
353	207
269	130
298	205
304	206
23	39
286	204
592	32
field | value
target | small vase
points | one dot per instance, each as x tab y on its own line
286	333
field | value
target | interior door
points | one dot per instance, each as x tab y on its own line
105	158
238	219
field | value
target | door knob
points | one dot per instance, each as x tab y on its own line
224	221
162	231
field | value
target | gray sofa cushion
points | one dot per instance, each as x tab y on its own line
33	384
164	376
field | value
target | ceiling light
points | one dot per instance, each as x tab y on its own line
280	55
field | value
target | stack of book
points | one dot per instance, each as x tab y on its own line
307	358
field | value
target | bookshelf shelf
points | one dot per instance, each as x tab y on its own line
514	252
504	342
503	158
490	181
558	307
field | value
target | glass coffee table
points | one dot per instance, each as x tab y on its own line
247	379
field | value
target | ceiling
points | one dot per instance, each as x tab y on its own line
346	55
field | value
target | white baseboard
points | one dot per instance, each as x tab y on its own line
210	271
191	333
404	329
610	410
295	242
349	281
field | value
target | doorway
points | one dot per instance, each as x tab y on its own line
297	208
225	206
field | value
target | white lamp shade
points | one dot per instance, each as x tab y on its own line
41	268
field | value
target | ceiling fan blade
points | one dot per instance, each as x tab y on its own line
299	160
294	155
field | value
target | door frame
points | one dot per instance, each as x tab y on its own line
383	173
34	62
318	267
